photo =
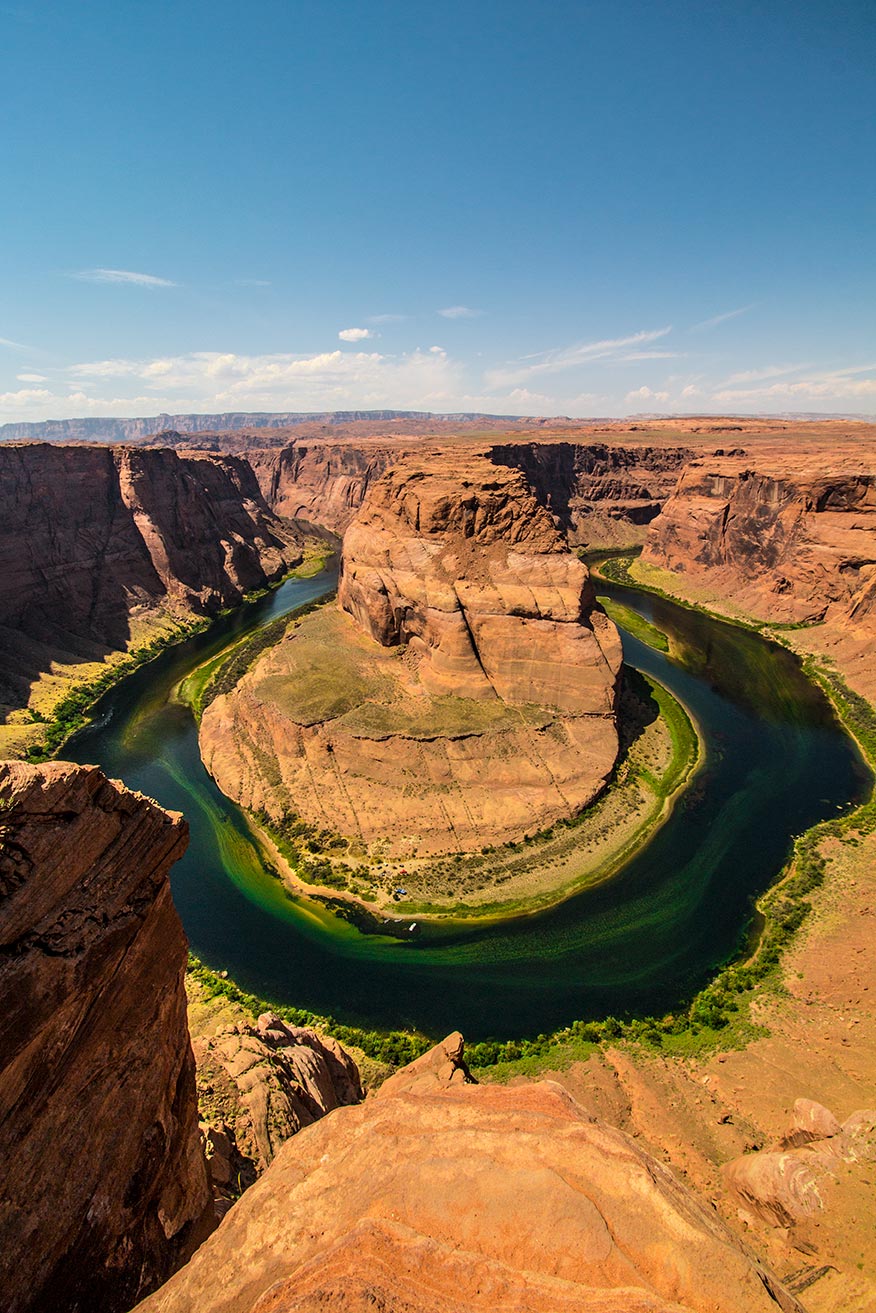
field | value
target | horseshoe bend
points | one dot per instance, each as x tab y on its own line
462	692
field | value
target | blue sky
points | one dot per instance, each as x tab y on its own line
593	208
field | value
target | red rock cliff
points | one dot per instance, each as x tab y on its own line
93	537
788	541
104	1183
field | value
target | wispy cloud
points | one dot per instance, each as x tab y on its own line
608	350
758	375
253	282
354	334
460	312
386	319
31	378
721	319
122	276
16	346
833	386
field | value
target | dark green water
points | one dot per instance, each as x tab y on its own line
777	761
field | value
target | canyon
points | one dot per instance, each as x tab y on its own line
104	548
716	1180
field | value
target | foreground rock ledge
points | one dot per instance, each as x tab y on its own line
442	1196
104	1186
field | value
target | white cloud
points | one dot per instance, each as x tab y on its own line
645	394
122	276
834	387
757	375
721	319
253	282
12	404
386	319
459	312
354	334
609	350
16	346
31	378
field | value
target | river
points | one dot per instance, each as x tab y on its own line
776	762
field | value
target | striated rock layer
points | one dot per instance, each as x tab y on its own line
104	1183
789	540
464	695
93	540
444	1197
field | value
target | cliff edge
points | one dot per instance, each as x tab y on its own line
104	1182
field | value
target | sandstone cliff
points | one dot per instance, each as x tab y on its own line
95	541
602	495
469	700
104	1183
445	1197
788	540
324	483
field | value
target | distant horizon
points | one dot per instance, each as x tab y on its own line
281	419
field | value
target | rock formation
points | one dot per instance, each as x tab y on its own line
794	1182
788	539
104	1183
469	699
444	1197
97	541
602	495
260	1084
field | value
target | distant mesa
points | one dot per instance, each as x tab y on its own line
461	694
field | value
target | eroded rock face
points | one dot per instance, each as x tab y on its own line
456	559
601	494
450	1197
462	696
325	483
816	1160
94	539
104	1183
789	540
283	1077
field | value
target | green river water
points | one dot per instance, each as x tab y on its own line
776	762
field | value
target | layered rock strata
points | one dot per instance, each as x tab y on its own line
463	696
444	1197
601	495
95	540
789	541
104	1182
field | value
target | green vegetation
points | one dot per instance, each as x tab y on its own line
635	624
394	1047
223	672
72	713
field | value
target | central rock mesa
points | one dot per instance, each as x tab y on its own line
462	695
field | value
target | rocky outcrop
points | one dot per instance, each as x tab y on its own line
602	495
457	560
104	1183
261	1084
96	541
816	1160
449	1197
787	540
463	696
